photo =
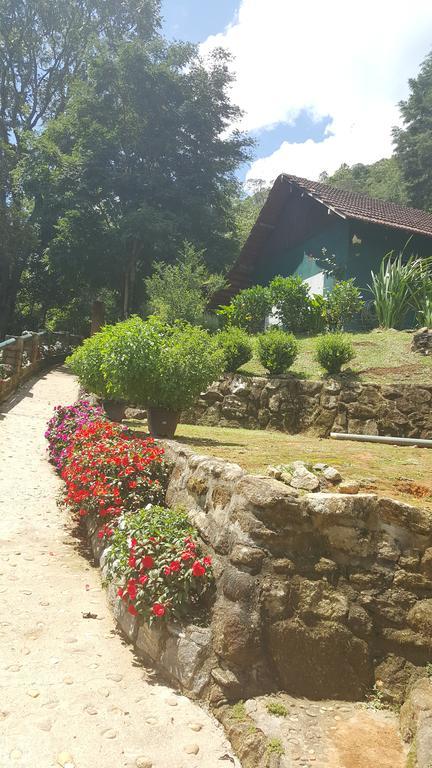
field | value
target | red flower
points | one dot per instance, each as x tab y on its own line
147	562
143	579
167	570
207	561
132	561
120	592
158	609
175	565
186	556
132	590
133	543
198	569
132	610
133	484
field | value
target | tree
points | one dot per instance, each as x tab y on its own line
414	141
382	179
44	47
247	207
139	162
181	291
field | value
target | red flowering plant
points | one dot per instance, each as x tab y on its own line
108	472
62	426
155	558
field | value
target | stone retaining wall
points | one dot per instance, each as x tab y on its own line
318	594
295	405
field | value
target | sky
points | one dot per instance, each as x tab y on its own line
318	82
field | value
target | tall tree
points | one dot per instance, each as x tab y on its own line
44	47
414	141
382	179
139	161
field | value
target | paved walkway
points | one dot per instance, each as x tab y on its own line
71	692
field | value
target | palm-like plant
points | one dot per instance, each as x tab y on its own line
398	286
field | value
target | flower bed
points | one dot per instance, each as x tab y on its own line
119	481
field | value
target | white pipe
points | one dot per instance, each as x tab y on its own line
383	439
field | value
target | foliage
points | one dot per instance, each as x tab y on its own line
155	556
276	708
277	350
397	286
61	428
248	309
247	208
275	747
236	346
421	294
382	179
238	711
181	291
153	364
142	159
333	350
45	48
108	472
414	140
343	303
292	302
86	363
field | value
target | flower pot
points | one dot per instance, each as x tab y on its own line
162	422
114	409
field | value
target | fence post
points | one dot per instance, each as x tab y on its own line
35	348
12	356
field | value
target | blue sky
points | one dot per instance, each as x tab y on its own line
196	20
318	83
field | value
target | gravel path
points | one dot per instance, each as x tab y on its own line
71	692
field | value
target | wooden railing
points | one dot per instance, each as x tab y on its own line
22	356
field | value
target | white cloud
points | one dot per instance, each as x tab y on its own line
348	60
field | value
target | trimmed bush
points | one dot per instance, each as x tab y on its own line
343	303
277	350
86	363
291	299
333	351
236	347
248	309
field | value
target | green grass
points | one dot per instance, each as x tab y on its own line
381	357
238	712
276	708
395	471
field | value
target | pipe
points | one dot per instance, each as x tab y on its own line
383	439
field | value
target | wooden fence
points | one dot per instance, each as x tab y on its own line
23	356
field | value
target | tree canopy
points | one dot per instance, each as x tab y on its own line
382	179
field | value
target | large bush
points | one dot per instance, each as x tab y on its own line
86	363
155	557
153	364
333	351
342	304
292	302
236	347
248	309
277	350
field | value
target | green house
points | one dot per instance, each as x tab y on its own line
305	222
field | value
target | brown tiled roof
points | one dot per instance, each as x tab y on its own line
356	206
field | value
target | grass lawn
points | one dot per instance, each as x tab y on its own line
399	472
381	356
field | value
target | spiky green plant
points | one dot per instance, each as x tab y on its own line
396	287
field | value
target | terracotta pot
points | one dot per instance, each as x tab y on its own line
114	409
162	422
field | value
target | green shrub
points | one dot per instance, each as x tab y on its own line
86	363
248	309
154	364
333	351
181	291
292	302
236	347
276	708
342	304
277	350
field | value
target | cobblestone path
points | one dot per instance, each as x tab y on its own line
71	692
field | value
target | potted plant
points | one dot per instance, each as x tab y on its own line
160	367
86	363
